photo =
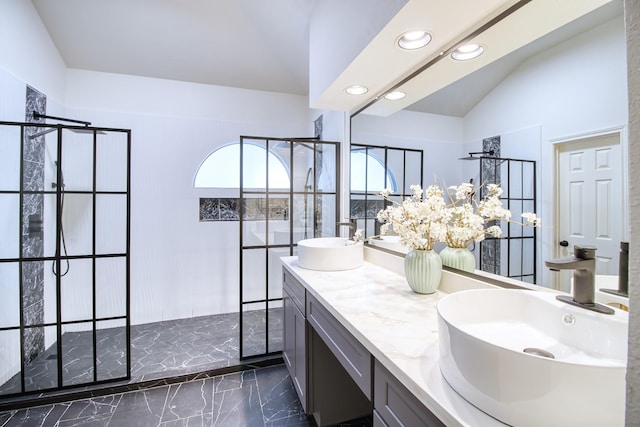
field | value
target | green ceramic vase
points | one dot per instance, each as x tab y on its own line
423	270
458	258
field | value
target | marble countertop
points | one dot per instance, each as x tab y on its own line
398	327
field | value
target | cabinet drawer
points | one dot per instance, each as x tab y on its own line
396	405
295	289
352	355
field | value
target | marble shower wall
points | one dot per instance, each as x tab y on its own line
228	209
32	243
490	248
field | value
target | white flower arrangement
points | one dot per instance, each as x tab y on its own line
421	222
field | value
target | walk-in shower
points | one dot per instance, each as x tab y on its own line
274	216
64	255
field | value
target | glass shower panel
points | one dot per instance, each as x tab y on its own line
327	163
254	224
377	177
275	271
528	175
77	353
76	289
33	296
358	169
111	161
514	174
325	215
413	170
10	366
77	222
77	160
10	225
254	165
254	274
395	171
279	166
10	291
111	349
49	224
302	211
254	328
111	287
50	160
304	175
41	364
279	215
274	343
9	158
111	223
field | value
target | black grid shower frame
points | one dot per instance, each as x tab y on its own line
404	190
496	162
57	259
291	245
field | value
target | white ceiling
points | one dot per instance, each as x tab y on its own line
259	44
252	44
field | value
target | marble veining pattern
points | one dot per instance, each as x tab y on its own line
158	350
398	327
32	243
490	248
260	397
227	209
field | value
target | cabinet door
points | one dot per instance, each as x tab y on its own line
294	349
396	405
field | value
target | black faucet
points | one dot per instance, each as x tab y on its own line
352	228
623	273
583	264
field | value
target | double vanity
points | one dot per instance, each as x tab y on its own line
359	341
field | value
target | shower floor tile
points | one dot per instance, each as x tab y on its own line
158	350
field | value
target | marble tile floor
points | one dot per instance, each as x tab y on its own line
258	397
158	350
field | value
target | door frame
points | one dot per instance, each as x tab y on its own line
550	247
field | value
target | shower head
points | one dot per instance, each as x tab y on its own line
481	153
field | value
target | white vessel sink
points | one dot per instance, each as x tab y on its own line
389	242
330	254
483	337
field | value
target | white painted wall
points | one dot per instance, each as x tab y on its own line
180	267
28	52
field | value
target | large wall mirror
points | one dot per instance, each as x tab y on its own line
560	102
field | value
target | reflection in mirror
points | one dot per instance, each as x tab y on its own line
569	85
373	169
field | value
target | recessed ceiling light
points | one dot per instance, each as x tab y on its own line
468	51
356	90
414	39
395	95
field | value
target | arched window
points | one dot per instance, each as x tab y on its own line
369	166
221	168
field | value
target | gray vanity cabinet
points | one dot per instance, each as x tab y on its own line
335	376
294	352
395	406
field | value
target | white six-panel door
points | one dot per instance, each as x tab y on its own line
590	201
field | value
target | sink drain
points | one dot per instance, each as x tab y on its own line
539	352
